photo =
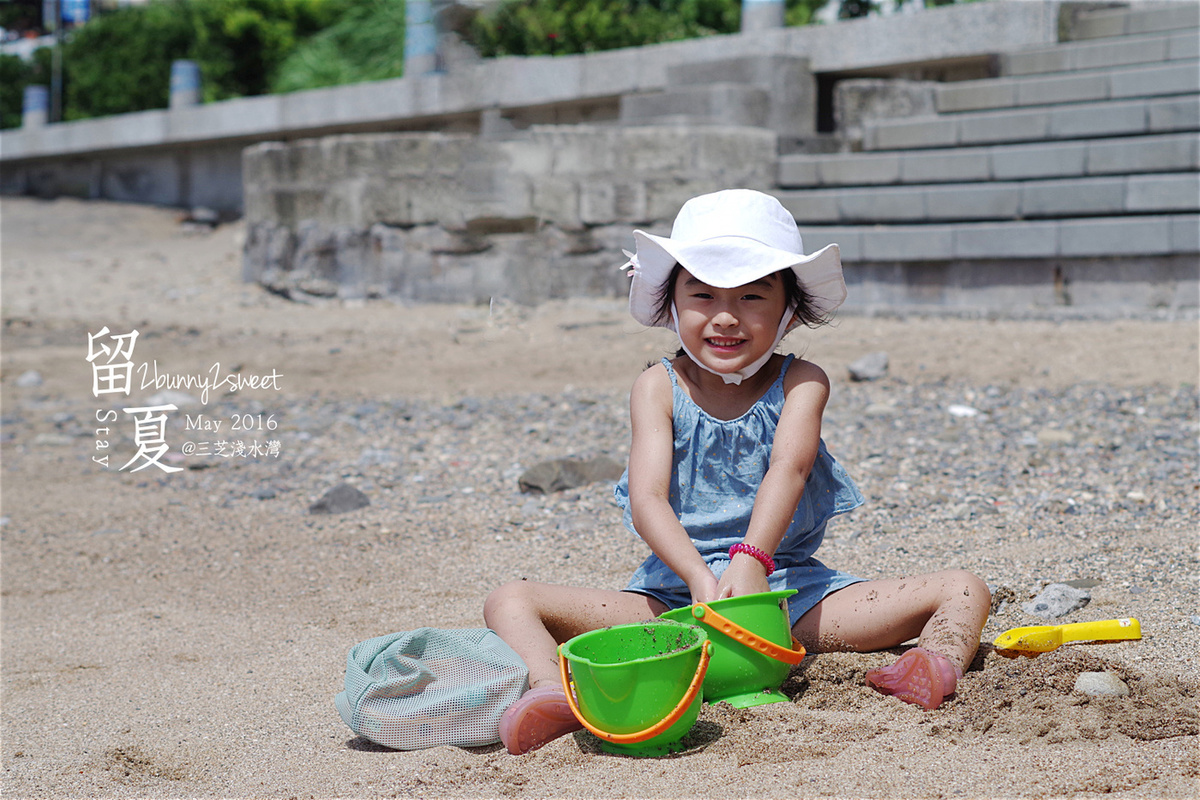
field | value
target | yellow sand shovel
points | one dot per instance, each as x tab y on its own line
1044	638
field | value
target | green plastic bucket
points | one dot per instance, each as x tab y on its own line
637	687
753	649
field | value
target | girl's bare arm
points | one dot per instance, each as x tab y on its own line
650	461
806	388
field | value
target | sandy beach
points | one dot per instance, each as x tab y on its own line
182	634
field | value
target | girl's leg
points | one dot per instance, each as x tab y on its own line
945	610
533	619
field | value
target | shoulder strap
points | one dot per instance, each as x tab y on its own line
666	362
787	362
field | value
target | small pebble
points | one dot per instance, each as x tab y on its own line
1054	436
568	473
1098	684
204	216
339	500
1083	583
1057	600
54	439
172	397
870	367
374	457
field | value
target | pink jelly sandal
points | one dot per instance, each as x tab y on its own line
920	676
540	716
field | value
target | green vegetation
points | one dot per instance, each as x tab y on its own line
20	15
556	27
365	44
120	61
15	75
549	27
802	12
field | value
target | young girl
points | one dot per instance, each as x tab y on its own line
729	482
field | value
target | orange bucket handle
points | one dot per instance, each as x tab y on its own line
655	729
704	613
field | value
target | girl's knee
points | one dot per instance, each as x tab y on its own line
513	593
965	590
970	586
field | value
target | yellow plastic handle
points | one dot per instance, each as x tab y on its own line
1105	630
655	729
704	613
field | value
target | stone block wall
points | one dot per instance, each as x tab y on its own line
455	217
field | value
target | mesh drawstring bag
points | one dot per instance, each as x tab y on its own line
430	687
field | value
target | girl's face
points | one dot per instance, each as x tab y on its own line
729	329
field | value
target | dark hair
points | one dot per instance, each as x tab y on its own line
793	294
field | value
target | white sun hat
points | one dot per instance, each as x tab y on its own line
726	239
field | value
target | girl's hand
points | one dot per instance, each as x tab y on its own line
704	588
745	575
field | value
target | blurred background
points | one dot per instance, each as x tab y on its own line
1016	157
100	57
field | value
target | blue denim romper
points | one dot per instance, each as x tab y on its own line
718	466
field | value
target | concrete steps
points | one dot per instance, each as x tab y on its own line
1177	44
1106	81
1176	152
1112	83
1103	266
1098	237
1151	115
999	200
1079	165
1089	148
1112	22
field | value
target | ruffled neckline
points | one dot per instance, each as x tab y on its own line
776	384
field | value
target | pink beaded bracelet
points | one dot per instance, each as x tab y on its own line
754	552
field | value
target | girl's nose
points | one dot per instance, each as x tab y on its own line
725	319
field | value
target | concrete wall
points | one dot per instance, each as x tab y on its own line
187	177
453	217
495	96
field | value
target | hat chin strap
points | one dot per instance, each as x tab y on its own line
748	371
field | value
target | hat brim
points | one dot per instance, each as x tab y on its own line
728	261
